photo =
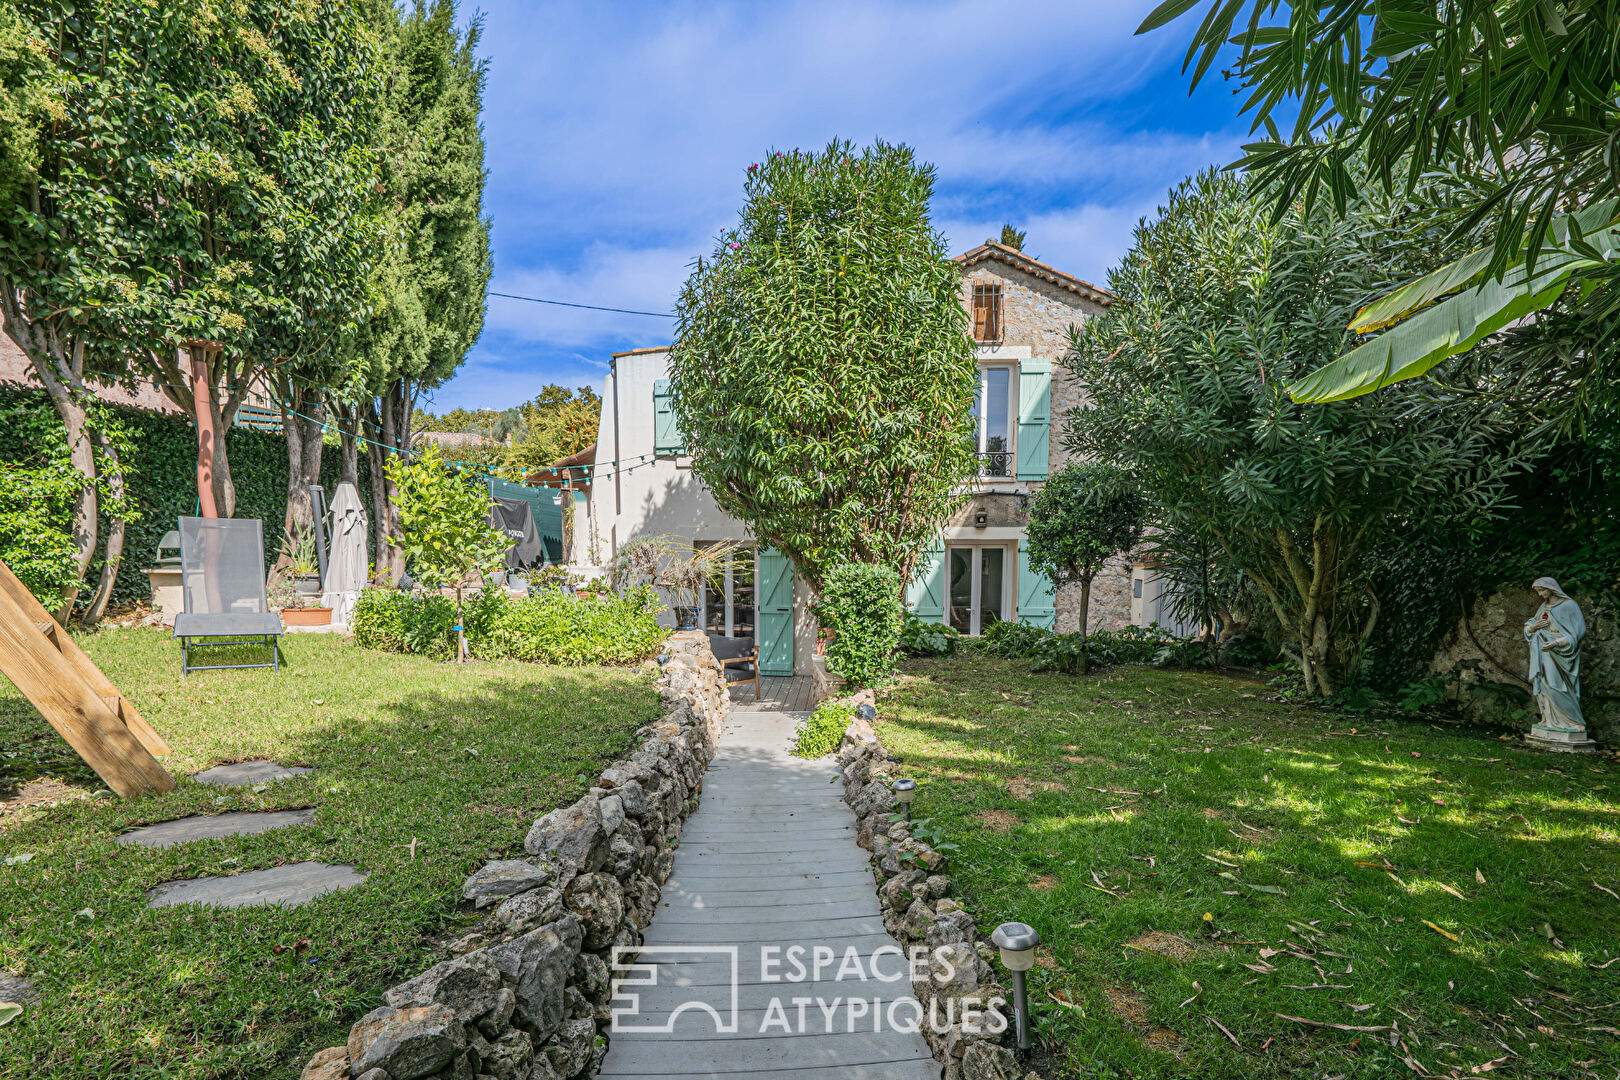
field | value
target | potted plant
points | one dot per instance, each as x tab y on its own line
286	597
679	567
298	559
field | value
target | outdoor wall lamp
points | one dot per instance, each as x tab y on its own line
905	789
981	518
1017	943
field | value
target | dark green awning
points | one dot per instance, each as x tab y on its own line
548	515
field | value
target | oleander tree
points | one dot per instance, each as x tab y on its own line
1219	309
1505	108
822	373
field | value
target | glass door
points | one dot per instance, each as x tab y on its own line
728	605
978	588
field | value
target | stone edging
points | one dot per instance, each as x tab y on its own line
913	892
527	995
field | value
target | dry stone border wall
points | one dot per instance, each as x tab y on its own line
913	892
526	995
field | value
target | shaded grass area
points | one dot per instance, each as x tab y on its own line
459	759
1113	812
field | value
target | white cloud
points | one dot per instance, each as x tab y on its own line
618	138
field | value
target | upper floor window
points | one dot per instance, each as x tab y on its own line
987	313
993	416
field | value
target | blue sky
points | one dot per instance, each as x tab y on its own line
618	136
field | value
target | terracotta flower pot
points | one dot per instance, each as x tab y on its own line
306	616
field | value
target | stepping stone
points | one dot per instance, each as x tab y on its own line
212	826
248	773
290	885
17	990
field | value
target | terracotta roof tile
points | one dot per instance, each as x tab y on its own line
990	251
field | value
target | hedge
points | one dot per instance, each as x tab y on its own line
162	478
550	627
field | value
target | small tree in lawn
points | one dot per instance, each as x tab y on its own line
1087	514
822	372
445	519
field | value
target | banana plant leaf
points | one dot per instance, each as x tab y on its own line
1415	343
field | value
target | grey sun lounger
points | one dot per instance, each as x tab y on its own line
222	583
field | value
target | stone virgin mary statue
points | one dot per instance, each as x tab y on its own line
1554	633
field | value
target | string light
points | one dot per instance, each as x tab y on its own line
590	468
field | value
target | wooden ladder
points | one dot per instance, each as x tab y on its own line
75	697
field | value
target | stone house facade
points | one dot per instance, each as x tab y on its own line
1020	312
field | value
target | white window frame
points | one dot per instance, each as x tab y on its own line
1009	587
982	435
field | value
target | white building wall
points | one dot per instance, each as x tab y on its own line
646	495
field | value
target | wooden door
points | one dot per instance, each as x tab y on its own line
774	599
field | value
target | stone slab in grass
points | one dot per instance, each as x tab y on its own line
290	885
212	826
248	773
18	990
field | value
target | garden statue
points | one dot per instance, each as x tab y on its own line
1554	634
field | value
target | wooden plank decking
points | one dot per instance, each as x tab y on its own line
778	694
768	860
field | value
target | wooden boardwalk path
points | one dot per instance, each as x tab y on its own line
767	861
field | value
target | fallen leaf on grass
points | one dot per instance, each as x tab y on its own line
1442	932
15	859
1328	1024
1061	998
1408	821
1450	890
1610	891
1600	967
1262	967
1223	862
1197	992
1272	889
1478	876
1228	1034
9	1011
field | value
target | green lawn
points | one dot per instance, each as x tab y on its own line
459	759
1434	885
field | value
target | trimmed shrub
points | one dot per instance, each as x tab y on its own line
552	627
820	733
860	603
548	628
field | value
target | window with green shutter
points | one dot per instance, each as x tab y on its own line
1034	417
667	437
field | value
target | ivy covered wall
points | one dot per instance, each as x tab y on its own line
162	477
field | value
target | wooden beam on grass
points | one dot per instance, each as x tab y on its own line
89	713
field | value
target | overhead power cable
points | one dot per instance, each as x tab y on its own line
587	307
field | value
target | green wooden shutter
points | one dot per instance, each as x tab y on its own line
925	593
774	596
1036	599
667	438
1034	417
